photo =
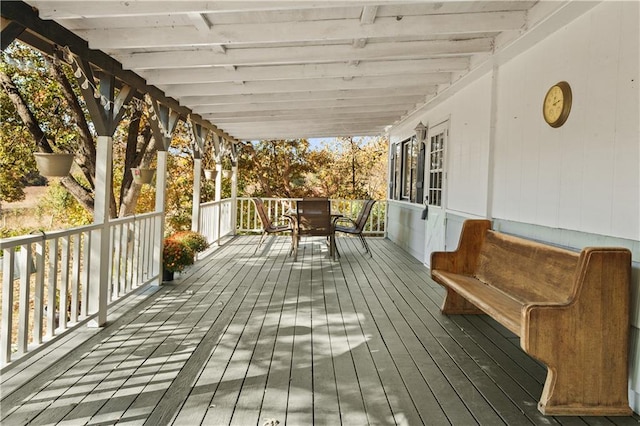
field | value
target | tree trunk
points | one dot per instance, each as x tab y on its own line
135	157
86	154
25	113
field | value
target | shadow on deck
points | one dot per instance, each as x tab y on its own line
243	339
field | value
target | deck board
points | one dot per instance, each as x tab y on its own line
242	339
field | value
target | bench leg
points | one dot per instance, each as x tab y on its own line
454	304
571	391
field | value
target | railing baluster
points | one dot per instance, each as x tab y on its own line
24	256
52	287
129	258
114	262
64	281
87	274
75	277
7	304
38	292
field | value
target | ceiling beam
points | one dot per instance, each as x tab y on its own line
316	84
413	27
95	9
405	100
281	72
310	110
305	95
311	54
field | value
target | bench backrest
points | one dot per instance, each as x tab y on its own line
525	269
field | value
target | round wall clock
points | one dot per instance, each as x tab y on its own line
557	104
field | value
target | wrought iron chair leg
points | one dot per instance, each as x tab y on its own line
260	242
365	245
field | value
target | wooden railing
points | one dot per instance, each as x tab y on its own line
216	220
46	278
248	220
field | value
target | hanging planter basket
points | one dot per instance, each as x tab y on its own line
53	164
210	174
226	174
142	176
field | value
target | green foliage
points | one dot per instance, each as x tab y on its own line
352	168
63	208
13	232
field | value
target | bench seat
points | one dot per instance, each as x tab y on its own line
570	310
504	308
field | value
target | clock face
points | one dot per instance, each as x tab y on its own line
557	104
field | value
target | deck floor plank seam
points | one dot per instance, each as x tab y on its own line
194	395
401	330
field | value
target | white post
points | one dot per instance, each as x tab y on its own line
98	291
218	195
161	193
195	210
234	197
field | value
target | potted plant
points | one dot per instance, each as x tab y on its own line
142	176
175	257
194	240
210	174
53	164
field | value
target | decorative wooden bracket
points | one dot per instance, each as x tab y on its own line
163	122
198	136
234	153
106	110
10	31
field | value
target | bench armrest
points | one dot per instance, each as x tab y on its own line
464	259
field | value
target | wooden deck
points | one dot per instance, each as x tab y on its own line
242	339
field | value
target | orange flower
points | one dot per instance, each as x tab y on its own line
176	255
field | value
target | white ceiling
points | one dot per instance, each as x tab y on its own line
289	69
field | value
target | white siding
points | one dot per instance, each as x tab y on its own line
467	155
585	175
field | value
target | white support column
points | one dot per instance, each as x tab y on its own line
492	141
161	193
217	216
218	195
234	197
99	290
195	210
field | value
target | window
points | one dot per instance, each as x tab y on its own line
404	171
436	163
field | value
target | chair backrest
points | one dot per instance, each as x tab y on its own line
314	216
363	216
262	212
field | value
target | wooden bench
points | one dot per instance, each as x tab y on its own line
570	310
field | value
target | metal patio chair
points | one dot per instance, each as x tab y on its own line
268	226
355	227
313	218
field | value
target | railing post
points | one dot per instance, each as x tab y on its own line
161	193
7	305
217	212
234	198
195	210
100	237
